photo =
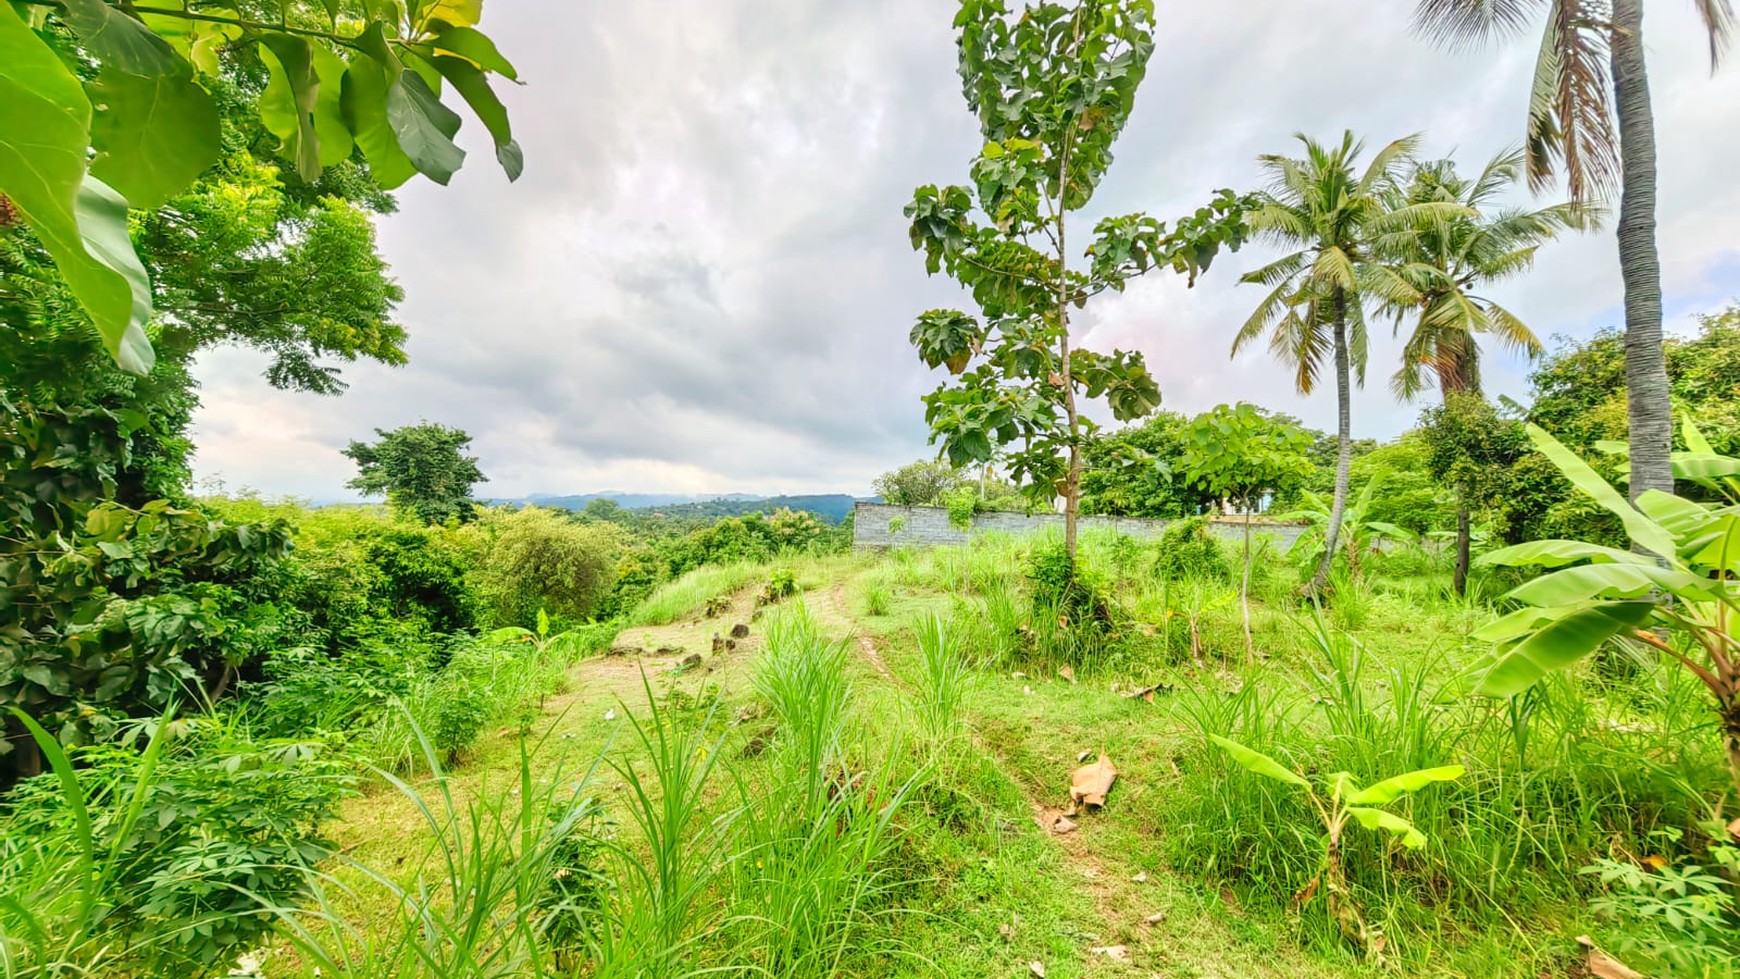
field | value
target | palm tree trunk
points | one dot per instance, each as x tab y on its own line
1463	533
1646	381
1344	445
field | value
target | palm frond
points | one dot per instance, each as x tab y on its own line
1458	23
1570	106
1718	18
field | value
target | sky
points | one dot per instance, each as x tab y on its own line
703	282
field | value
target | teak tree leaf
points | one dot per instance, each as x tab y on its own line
424	127
154	135
44	137
119	41
287	106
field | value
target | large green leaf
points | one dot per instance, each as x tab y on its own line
1680	516
1391	789
1642	530
154	135
288	104
329	126
44	137
1705	468
1260	763
1558	645
476	47
424	127
1571	586
1556	553
120	42
1375	819
365	110
474	88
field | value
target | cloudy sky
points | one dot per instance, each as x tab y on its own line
703	281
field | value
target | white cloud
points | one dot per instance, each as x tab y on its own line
703	282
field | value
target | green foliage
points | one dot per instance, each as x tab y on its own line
1135	471
1691	551
122	607
1679	918
189	842
1238	453
962	505
538	560
1052	87
1188	550
921	483
1359	532
944	679
1411	493
421	469
781	584
145	125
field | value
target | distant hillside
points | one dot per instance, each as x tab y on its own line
831	507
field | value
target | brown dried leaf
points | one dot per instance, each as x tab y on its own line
1734	830
1155	918
1082	756
1140	878
1067	672
1604	966
1117	953
1090	784
1037	968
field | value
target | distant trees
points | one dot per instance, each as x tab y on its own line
421	469
1135	472
1052	85
921	483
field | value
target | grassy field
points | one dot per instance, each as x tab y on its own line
869	783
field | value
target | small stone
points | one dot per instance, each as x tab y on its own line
1141	878
1117	953
1062	825
1155	918
1037	968
740	631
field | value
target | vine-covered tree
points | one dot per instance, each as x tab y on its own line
421	469
1053	85
106	106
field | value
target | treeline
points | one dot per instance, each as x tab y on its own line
1464	453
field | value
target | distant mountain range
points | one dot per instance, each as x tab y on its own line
832	507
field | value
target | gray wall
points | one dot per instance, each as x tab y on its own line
923	526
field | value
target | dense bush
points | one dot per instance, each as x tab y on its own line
538	559
1188	549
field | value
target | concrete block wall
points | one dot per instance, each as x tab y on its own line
879	525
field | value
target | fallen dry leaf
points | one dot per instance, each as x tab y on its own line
1083	755
610	715
1037	968
1155	918
1067	672
1141	878
1063	824
1090	784
1604	966
1117	953
1018	675
1027	690
1734	830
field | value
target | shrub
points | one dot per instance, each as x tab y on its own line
1189	550
538	559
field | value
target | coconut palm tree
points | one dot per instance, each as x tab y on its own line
1590	75
1329	218
1447	260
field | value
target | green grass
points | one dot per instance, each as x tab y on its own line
785	810
686	595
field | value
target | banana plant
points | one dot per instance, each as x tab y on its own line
1358	536
568	643
1339	802
1674	592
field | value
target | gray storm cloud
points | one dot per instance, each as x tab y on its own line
703	282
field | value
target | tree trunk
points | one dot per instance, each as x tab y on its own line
1646	382
1072	481
1463	533
1344	446
1245	589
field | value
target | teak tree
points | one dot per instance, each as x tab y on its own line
77	152
1053	85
